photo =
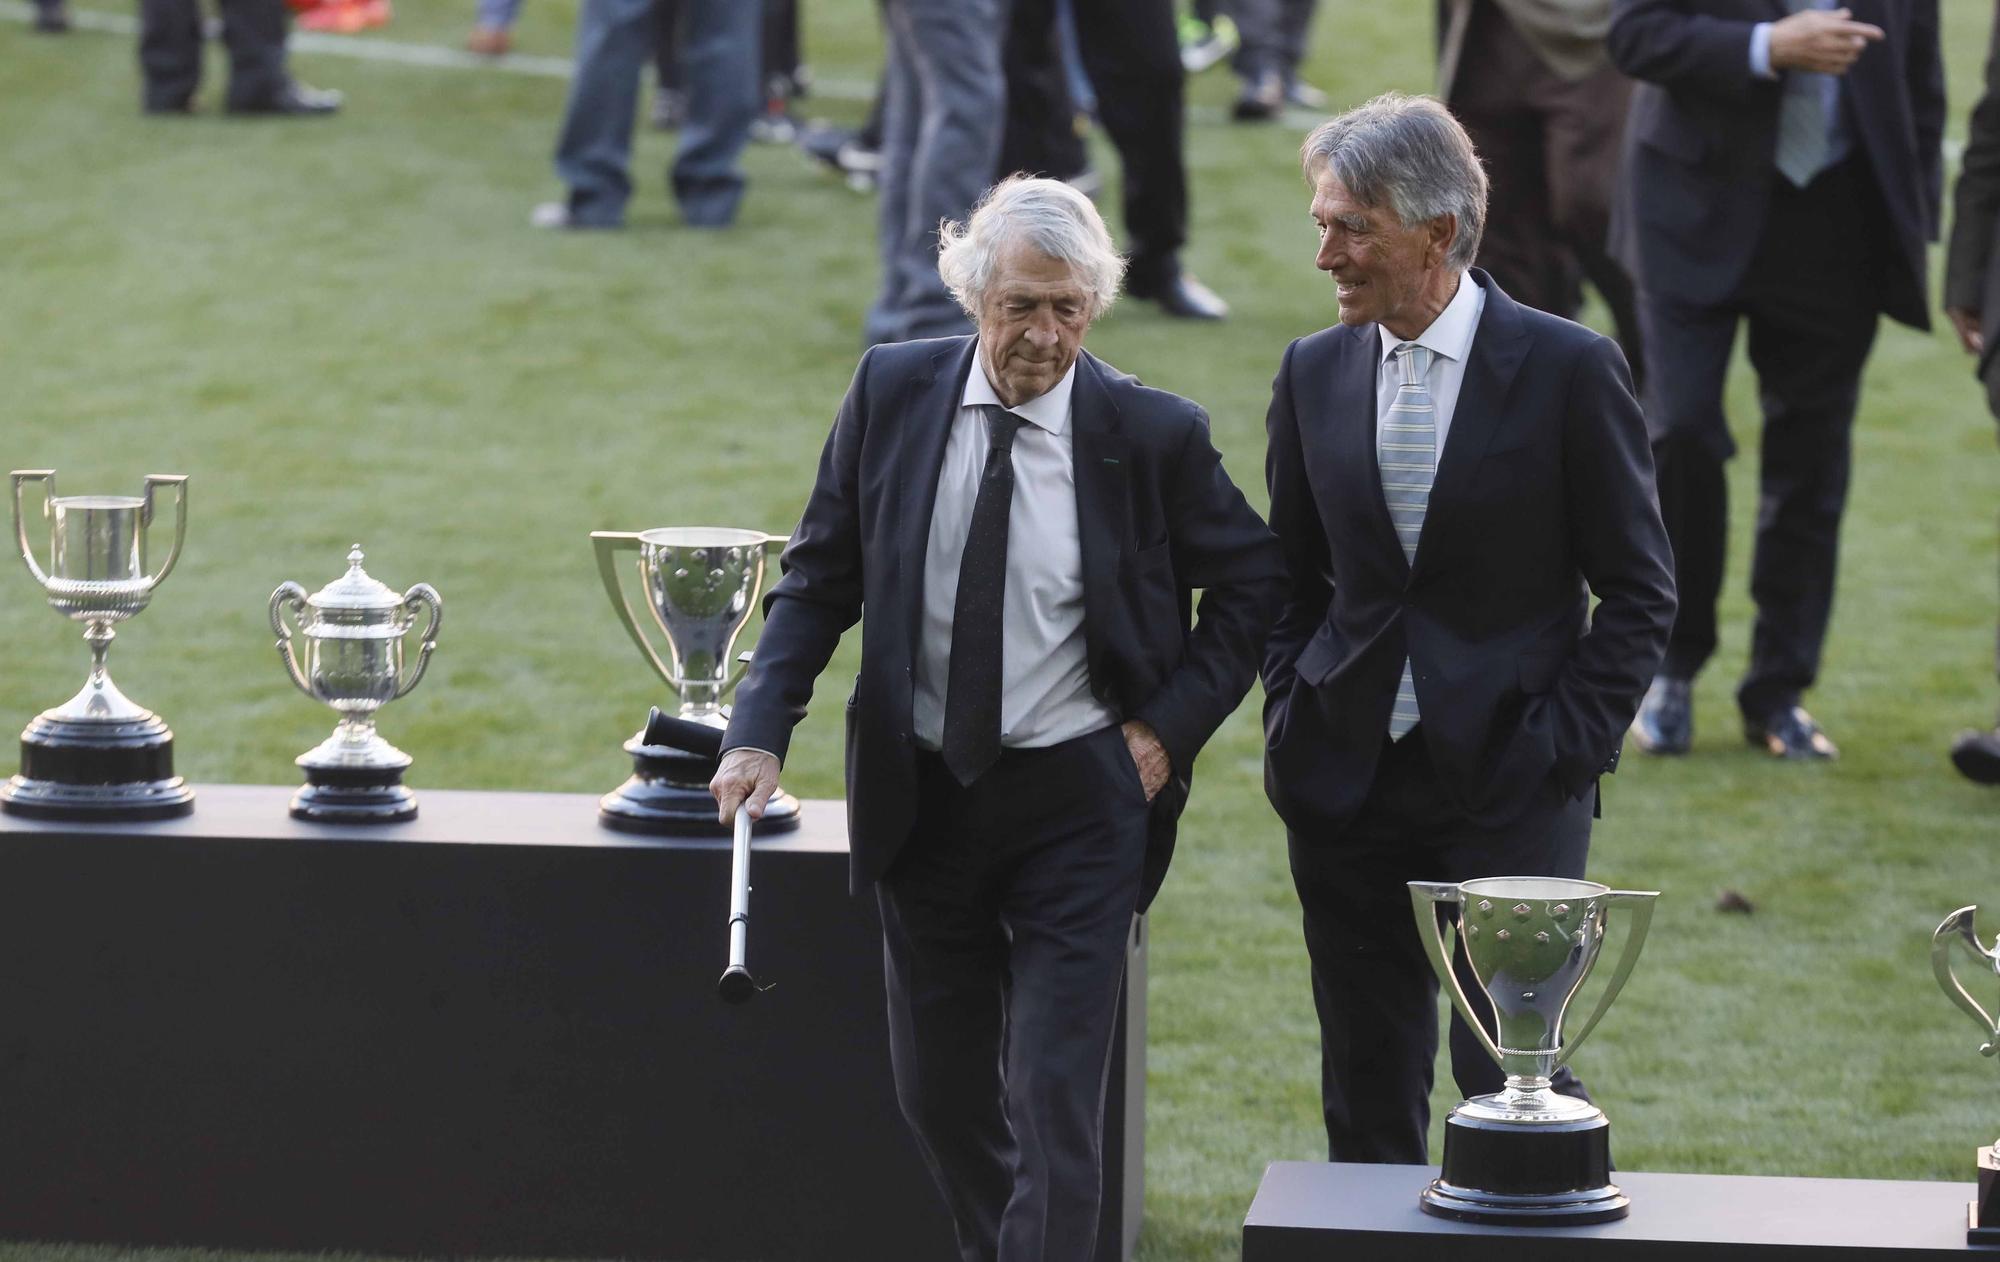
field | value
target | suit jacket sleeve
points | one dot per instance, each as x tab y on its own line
1926	78
1661	42
819	596
1301	536
1219	545
1621	547
1976	200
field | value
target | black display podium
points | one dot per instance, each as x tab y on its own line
492	1030
1319	1211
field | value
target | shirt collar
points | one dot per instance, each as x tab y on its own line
1047	411
1450	335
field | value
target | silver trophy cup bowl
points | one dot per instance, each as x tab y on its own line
1528	1154
98	755
353	631
1956	940
698	588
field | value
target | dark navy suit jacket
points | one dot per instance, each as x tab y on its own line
1702	140
1544	496
1157	518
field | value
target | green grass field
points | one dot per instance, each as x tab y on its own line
345	331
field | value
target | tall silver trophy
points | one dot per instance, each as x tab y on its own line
699	586
354	629
98	755
1527	1154
1957	940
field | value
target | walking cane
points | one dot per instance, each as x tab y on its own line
736	984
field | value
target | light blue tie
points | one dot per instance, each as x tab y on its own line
1804	142
1408	457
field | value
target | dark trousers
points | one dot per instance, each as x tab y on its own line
1810	300
1004	924
1131	55
170	39
1372	983
614	39
1274	37
1551	150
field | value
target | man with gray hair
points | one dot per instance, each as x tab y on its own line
1024	527
1453	476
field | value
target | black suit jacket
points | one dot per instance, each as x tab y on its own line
1544	495
1972	263
1157	517
1702	138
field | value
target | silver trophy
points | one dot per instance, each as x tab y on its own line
1957	938
98	756
700	585
1528	1154
354	629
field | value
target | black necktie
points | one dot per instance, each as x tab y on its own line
972	687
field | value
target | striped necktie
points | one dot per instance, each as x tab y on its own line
1804	137
1408	458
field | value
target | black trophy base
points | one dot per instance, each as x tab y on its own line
83	769
347	795
1526	1174
668	795
1982	1216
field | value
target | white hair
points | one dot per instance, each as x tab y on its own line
1046	215
1408	152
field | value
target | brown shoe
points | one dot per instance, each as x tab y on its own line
489	41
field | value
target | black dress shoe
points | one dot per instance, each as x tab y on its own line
295	100
1789	732
168	108
1182	296
1977	756
1263	99
52	19
1665	722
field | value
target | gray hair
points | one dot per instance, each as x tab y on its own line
1410	153
1047	215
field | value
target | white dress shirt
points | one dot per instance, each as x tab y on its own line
1045	693
1449	339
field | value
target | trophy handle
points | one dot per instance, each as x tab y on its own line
293	597
1957	929
422	596
609	543
47	477
773	543
1424	898
1640	904
178	481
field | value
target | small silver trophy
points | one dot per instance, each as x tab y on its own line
1956	937
701	585
353	661
1528	1154
98	755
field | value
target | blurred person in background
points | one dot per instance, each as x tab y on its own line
1534	86
1972	303
1273	34
784	73
614	40
254	31
1131	57
1782	168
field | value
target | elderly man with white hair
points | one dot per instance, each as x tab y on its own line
1453	476
1023	527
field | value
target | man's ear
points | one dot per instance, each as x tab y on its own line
1440	233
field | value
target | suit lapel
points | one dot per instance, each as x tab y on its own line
1101	457
1498	347
926	412
1356	462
